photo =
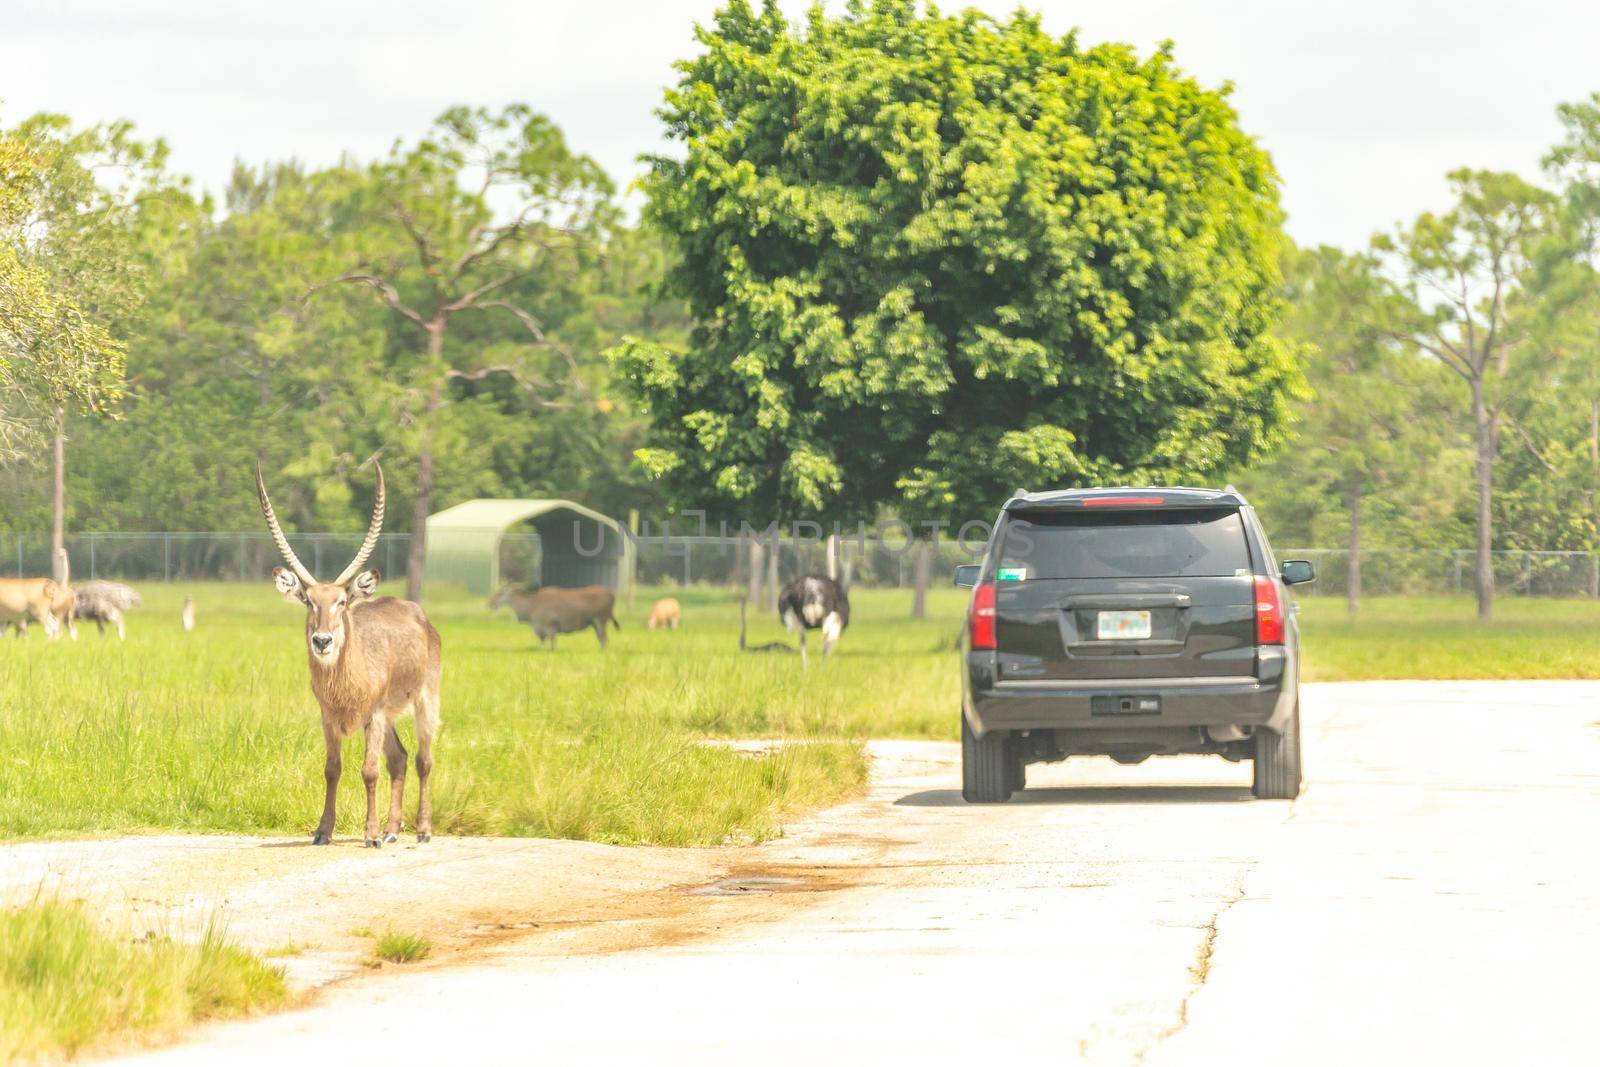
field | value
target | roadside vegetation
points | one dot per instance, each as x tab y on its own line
217	731
401	948
1442	638
66	985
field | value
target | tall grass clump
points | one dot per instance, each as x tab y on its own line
66	985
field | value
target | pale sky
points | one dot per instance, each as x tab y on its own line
1365	105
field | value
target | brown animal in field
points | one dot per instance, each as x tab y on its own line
666	612
65	608
372	662
25	599
552	610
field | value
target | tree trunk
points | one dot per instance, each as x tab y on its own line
422	506
773	552
58	503
1594	477
1352	581
755	552
919	587
1483	427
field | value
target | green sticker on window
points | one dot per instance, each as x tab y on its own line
1013	574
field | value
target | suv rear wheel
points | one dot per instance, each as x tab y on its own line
1277	762
989	766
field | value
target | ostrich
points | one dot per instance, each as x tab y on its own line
815	602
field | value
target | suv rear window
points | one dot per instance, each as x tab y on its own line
1169	543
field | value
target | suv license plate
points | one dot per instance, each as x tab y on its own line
1123	625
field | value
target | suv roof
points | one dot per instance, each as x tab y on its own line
1132	496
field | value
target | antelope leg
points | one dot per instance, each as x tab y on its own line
394	754
369	774
330	773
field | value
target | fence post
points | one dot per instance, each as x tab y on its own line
1594	575
388	556
241	557
166	557
1527	573
19	555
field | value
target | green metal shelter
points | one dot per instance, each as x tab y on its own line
573	545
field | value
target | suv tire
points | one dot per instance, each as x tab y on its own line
1277	763
987	774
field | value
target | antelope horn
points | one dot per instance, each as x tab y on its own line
373	529
277	533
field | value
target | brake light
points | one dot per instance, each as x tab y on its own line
1269	612
980	618
1122	501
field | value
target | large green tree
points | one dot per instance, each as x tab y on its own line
932	257
77	229
1465	274
477	220
1373	438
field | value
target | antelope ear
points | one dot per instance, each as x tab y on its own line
364	584
288	584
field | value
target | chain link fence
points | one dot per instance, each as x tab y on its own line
1436	572
888	562
876	562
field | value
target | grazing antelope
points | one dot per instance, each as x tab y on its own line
372	662
22	599
815	602
553	610
665	613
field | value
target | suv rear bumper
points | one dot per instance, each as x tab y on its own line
1267	699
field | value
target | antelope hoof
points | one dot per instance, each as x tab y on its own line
423	839
373	842
389	839
322	839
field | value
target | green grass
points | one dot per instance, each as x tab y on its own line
65	985
217	730
401	948
1441	638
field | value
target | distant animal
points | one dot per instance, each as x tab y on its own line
552	610
372	661
105	602
815	602
770	646
25	599
188	614
65	608
666	612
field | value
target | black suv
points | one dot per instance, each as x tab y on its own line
1129	623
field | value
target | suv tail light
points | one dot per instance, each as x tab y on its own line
1269	612
980	619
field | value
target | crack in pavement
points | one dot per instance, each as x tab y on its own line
1200	969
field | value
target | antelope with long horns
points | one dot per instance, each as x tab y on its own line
372	662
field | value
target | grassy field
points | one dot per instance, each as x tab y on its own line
1440	637
66	985
216	730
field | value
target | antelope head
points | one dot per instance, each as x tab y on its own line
327	603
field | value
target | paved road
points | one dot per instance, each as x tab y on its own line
1429	899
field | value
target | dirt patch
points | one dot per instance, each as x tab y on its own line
316	910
